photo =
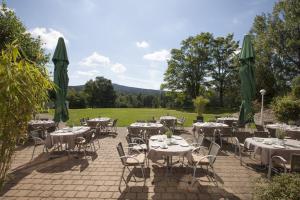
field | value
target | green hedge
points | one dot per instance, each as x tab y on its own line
282	187
286	108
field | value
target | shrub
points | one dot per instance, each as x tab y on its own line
23	91
199	104
296	87
286	108
282	187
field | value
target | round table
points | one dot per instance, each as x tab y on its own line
103	121
291	131
208	127
66	136
168	121
269	147
168	118
41	123
161	147
148	128
227	120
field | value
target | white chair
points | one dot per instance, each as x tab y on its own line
133	160
278	162
112	125
180	123
35	135
198	159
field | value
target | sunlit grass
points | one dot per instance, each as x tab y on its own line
126	116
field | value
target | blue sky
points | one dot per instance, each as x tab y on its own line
128	41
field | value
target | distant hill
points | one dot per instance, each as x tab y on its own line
123	89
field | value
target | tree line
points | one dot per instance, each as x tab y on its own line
99	93
208	66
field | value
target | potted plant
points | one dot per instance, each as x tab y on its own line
169	133
280	134
199	104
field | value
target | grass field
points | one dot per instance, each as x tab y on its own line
126	116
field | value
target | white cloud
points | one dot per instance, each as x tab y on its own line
48	36
98	60
88	73
142	44
95	60
161	55
118	68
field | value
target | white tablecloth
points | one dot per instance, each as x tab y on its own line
269	147
227	120
43	123
93	122
66	135
168	118
283	127
160	145
146	125
208	127
291	131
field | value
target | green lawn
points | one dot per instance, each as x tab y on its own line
126	116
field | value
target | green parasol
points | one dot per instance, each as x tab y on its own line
247	80
61	79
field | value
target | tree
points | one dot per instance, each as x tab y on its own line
100	93
12	29
76	99
188	65
277	46
222	56
23	91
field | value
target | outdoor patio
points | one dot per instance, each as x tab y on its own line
98	176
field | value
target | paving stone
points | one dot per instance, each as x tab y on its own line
98	178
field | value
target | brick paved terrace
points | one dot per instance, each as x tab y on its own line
97	176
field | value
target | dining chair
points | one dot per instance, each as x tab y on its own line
133	160
112	125
136	143
180	123
278	163
262	134
239	140
38	140
198	159
85	142
259	127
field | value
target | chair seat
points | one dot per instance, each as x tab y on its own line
197	157
278	164
138	158
81	141
140	147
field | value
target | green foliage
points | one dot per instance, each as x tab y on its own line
199	57
187	66
23	91
76	99
277	47
280	134
286	108
281	187
296	87
11	29
222	67
199	104
169	133
100	93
